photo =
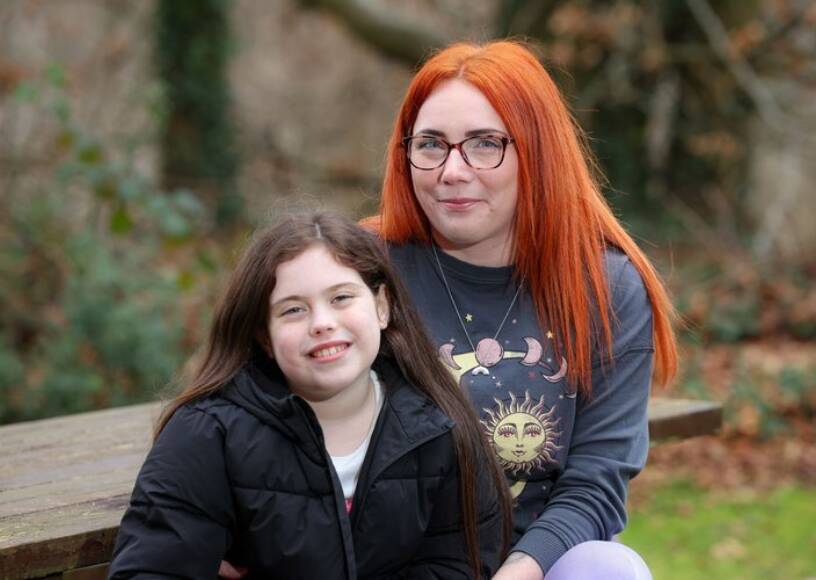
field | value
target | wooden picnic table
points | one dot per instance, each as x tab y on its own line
65	482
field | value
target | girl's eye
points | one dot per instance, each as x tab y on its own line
291	310
342	298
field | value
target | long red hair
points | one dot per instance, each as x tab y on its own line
562	223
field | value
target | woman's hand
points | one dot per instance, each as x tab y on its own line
227	570
519	566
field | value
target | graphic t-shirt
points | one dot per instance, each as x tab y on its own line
567	460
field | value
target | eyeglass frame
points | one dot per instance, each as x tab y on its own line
504	139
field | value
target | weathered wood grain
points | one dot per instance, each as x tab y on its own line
682	418
65	482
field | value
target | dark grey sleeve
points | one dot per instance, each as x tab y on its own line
180	513
610	439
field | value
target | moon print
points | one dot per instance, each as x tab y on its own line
488	352
446	354
534	352
560	374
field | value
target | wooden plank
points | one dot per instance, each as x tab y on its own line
682	418
65	482
64	485
98	572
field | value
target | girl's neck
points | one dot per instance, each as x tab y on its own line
346	417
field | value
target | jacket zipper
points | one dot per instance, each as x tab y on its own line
340	507
367	478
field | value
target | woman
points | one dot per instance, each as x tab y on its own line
541	304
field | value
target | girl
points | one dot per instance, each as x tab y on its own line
319	436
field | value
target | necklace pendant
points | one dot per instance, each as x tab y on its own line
480	370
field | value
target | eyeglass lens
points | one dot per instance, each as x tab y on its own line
480	152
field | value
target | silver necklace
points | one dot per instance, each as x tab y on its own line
488	351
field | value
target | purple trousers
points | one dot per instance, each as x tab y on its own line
600	561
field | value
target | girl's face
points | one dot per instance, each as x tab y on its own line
471	211
324	325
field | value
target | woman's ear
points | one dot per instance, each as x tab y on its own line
383	309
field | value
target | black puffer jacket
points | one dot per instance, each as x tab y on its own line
245	475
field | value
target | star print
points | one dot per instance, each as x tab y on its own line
514	321
468	317
550	334
531	375
498	384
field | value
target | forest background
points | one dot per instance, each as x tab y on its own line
141	142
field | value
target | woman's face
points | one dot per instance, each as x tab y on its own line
471	211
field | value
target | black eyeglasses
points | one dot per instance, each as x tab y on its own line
427	152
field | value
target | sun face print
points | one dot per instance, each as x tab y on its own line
522	434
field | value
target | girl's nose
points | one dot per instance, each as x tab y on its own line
323	321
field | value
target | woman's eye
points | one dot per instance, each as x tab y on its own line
488	143
291	310
429	144
342	298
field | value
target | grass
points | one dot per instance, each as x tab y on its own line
684	532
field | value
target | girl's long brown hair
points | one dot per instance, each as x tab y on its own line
239	332
562	223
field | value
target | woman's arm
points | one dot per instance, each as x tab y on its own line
180	513
609	442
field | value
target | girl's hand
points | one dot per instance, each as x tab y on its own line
519	566
227	570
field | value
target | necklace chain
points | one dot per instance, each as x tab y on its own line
456	308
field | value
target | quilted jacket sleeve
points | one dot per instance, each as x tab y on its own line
180	514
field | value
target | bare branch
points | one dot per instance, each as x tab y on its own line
394	34
764	100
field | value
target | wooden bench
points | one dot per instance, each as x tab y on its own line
65	482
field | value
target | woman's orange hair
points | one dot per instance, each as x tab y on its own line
562	223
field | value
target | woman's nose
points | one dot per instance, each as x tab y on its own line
455	168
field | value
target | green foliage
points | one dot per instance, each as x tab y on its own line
726	299
684	532
89	320
197	136
762	396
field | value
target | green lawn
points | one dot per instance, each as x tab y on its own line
686	533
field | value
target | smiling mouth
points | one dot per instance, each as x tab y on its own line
329	352
461	203
459	200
